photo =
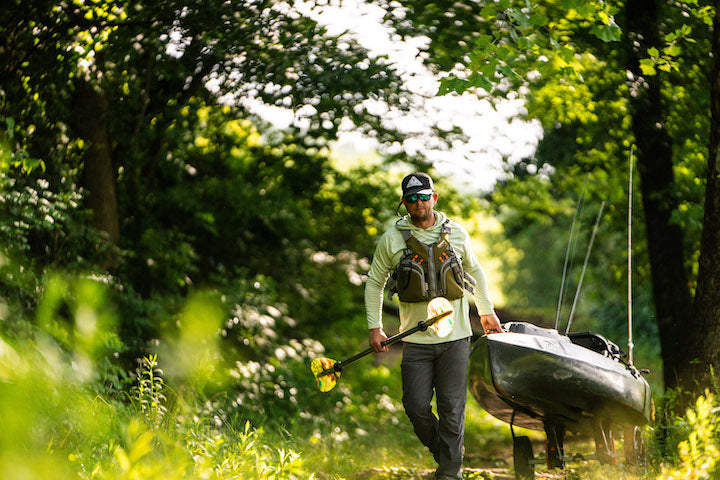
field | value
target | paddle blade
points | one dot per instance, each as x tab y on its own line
438	306
325	377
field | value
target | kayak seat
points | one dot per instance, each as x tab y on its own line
596	343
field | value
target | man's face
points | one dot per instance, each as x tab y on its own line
420	209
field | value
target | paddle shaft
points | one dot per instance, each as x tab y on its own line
423	325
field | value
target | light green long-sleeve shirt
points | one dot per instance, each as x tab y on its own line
388	253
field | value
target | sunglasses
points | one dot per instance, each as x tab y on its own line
423	197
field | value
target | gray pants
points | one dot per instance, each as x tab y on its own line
440	368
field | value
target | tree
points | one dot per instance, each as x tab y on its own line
561	47
125	74
706	307
132	117
671	290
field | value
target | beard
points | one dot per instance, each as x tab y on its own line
421	214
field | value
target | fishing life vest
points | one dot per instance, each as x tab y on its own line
429	271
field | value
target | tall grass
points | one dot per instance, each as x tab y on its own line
68	411
55	426
186	412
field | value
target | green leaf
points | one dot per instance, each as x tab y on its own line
30	164
647	66
477	57
571	4
10	122
607	33
672	50
452	84
484	41
539	20
489	11
567	53
507	71
480	81
521	19
586	10
505	53
524	43
489	67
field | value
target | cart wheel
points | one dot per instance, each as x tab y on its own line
554	446
522	455
604	442
634	446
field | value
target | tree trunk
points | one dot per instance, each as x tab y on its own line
707	297
671	290
90	121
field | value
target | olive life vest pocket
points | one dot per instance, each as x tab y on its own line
428	271
451	277
410	280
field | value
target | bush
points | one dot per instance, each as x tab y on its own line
699	452
56	426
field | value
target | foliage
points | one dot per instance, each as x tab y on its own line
193	419
699	451
570	60
522	36
148	390
51	380
241	246
76	434
45	224
206	193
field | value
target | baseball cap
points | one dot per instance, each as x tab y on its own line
417	182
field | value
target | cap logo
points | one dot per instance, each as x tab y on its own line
414	182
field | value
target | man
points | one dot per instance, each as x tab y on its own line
430	363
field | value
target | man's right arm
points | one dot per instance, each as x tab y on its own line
374	287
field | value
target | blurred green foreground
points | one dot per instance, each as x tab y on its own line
188	411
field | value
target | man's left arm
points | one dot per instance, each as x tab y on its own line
488	318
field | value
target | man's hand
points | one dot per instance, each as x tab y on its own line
490	323
377	336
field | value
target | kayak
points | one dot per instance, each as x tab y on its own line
540	376
540	379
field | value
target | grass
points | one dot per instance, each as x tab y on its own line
371	446
63	420
56	427
364	435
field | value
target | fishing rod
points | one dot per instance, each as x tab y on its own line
561	295
582	273
441	314
629	262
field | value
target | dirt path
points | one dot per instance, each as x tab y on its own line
499	466
469	473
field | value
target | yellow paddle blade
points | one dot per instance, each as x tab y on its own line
327	381
438	306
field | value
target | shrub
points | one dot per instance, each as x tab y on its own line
699	453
